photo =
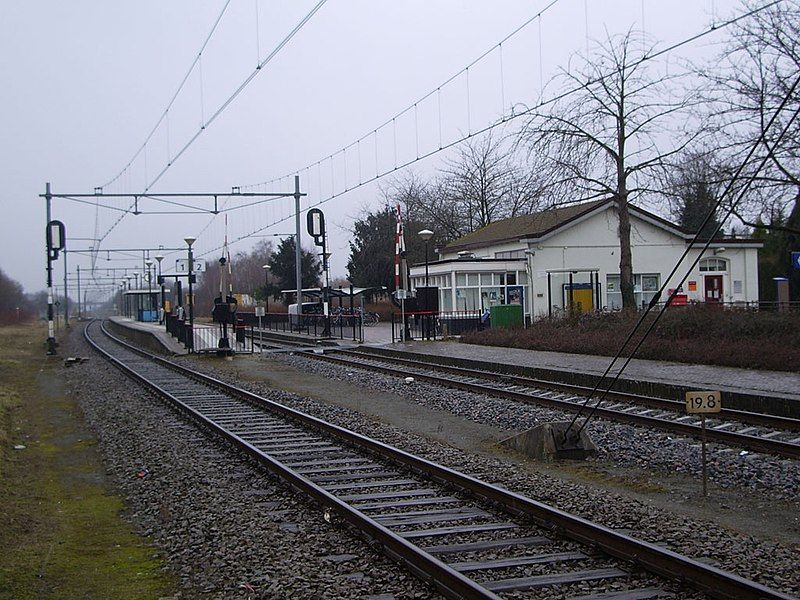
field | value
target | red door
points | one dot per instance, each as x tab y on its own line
713	288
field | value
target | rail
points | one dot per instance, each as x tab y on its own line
448	579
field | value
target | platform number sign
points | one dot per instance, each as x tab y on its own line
703	402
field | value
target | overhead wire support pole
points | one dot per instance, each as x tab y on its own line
51	336
298	255
66	289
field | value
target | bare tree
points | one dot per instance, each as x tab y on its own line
755	72
602	136
483	183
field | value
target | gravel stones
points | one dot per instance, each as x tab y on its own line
618	443
769	563
228	529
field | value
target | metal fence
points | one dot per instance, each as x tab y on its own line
335	326
436	325
204	337
209	338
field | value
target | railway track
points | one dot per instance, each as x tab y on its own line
468	538
757	432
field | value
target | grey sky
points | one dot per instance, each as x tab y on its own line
84	82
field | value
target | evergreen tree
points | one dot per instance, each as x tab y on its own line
696	201
282	268
372	248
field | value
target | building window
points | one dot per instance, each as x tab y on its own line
713	264
645	286
510	254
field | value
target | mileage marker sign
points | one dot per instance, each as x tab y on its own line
702	403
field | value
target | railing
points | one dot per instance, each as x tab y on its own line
208	338
436	325
205	338
339	326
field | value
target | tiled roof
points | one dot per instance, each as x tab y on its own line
532	225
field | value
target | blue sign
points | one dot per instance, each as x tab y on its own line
796	260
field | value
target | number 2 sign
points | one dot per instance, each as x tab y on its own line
703	402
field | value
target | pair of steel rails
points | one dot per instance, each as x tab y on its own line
452	583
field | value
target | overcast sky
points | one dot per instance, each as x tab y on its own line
84	83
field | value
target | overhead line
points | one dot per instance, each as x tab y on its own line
226	103
174	96
712	29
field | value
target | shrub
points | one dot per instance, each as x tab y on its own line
695	334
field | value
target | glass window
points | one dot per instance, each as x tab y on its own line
491	296
522	277
461	279
511	279
645	286
446	299
613	292
713	264
649	283
472	279
510	254
486	279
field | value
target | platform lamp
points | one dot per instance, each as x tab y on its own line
149	263
189	241
159	258
426	235
266	286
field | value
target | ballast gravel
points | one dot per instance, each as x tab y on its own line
772	564
227	529
617	443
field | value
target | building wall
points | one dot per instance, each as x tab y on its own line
590	248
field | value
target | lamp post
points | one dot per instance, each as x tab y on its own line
266	286
189	241
159	258
149	264
426	235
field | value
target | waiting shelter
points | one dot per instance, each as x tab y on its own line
143	305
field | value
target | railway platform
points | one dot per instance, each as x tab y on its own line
152	335
778	387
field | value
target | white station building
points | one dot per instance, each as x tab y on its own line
569	257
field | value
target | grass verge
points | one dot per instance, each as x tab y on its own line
61	527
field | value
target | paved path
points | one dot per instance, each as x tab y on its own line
774	383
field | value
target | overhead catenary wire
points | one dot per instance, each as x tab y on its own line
174	97
751	177
515	115
171	161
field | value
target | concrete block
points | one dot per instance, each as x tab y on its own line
546	442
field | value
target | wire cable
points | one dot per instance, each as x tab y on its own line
685	253
504	120
226	103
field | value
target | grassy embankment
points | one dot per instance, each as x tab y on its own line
700	335
61	530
